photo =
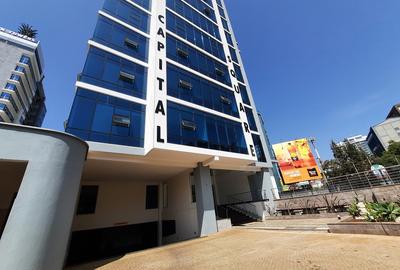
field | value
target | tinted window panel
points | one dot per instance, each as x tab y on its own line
197	61
188	87
194	16
250	118
195	36
128	13
244	94
208	131
259	149
104	69
120	38
93	117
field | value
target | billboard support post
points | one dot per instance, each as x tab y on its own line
312	141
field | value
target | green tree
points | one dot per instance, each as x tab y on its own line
27	30
391	157
348	159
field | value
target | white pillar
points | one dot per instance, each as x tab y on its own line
206	218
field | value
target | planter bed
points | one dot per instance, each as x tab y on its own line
351	226
309	216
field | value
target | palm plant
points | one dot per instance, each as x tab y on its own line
27	30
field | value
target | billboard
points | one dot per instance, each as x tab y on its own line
296	161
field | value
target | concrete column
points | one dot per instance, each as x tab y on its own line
206	218
38	228
261	188
160	213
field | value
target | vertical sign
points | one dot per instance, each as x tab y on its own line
160	91
238	96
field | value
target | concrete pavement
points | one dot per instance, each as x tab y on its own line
260	249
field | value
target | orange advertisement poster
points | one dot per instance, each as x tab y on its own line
296	161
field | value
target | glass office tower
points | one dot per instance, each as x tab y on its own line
174	136
167	75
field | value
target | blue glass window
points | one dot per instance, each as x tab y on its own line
199	5
191	88
195	36
8	96
259	148
15	77
120	38
221	12
19	69
244	94
14	87
115	73
194	16
238	72
3	107
191	127
143	3
25	60
225	24
128	13
233	54
229	38
101	118
219	3
250	118
188	56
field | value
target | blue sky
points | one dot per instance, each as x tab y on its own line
326	69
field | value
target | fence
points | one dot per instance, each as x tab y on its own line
356	181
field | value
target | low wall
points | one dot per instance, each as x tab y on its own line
309	216
338	199
377	228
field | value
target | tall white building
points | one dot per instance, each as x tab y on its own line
360	141
21	75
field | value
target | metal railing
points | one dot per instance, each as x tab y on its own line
244	202
350	182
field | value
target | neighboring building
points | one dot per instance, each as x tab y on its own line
394	112
22	98
360	141
382	134
175	141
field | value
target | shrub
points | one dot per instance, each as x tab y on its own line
383	212
353	210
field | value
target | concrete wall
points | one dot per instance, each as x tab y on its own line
118	203
229	183
9	57
181	208
123	202
384	193
38	228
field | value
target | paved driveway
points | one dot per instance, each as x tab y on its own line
261	249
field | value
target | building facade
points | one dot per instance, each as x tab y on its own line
382	134
360	141
22	98
175	142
